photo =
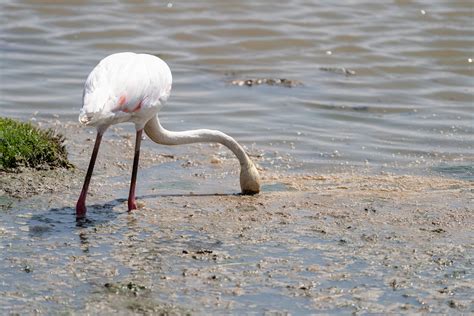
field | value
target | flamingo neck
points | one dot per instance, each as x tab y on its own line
160	135
249	177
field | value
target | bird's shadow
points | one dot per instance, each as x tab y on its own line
58	227
62	220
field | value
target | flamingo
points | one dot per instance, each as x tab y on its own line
130	87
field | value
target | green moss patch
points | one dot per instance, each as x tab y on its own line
24	145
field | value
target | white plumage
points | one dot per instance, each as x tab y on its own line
125	87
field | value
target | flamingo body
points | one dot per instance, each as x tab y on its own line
129	87
125	87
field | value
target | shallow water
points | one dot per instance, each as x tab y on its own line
408	108
344	244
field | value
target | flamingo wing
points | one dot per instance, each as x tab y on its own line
123	84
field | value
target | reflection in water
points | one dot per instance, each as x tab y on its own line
84	241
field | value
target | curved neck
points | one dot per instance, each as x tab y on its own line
160	135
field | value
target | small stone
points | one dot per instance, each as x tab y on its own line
215	160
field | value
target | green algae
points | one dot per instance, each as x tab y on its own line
25	145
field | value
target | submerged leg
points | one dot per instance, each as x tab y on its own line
132	204
81	202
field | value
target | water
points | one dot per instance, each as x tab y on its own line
357	246
408	108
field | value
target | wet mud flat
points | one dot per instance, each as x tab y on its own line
330	243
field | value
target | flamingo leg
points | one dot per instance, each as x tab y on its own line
132	204
81	202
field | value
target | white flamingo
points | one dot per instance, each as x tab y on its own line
129	87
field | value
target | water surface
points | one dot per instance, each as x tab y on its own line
408	108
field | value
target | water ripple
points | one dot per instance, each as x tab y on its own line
411	92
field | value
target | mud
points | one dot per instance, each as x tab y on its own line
288	83
328	243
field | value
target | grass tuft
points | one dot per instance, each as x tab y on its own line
24	145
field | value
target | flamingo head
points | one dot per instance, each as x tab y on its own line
249	179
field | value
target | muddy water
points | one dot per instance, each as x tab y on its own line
312	243
386	85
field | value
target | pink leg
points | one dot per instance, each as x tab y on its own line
132	204
81	203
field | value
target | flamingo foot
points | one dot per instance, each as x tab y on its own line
132	205
80	210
